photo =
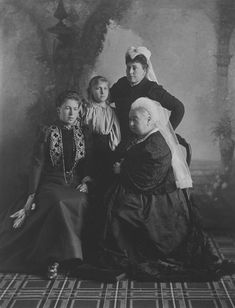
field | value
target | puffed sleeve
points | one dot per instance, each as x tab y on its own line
38	159
149	167
169	102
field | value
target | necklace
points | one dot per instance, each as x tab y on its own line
67	126
141	139
56	149
68	175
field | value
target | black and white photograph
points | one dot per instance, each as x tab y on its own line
117	139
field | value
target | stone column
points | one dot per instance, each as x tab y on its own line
223	58
224	24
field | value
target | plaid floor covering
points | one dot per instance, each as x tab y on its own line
28	291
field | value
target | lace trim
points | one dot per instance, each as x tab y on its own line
56	146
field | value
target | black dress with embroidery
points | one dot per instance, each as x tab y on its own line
151	230
54	230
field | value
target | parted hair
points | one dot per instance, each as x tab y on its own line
68	94
94	81
139	58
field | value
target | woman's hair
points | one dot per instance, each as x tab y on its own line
68	94
140	59
158	114
93	82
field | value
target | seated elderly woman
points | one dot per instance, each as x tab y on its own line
52	232
151	230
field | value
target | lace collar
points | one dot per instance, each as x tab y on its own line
142	139
56	142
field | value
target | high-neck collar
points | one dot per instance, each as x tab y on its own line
140	139
65	126
98	105
143	138
142	82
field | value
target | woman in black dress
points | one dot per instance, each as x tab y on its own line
151	230
140	81
47	230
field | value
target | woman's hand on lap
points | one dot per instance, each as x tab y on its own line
20	215
117	168
19	218
30	204
82	188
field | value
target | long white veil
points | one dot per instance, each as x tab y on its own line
160	116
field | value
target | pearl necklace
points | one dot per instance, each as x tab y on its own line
68	175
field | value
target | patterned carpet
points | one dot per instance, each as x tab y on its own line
29	291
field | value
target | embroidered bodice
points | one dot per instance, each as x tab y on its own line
58	150
62	147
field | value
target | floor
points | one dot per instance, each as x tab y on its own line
28	291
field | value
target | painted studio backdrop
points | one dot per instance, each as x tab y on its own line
47	46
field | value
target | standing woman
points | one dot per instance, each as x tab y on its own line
140	81
47	231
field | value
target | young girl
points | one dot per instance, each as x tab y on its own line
105	131
103	122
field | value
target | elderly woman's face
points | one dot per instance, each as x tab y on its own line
135	72
68	111
140	122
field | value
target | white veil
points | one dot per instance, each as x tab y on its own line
132	52
160	116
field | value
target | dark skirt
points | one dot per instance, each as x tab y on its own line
155	236
53	231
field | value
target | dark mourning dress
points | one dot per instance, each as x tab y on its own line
105	132
123	94
151	231
53	231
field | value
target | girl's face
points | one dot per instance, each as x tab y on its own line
135	72
100	92
140	122
68	111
